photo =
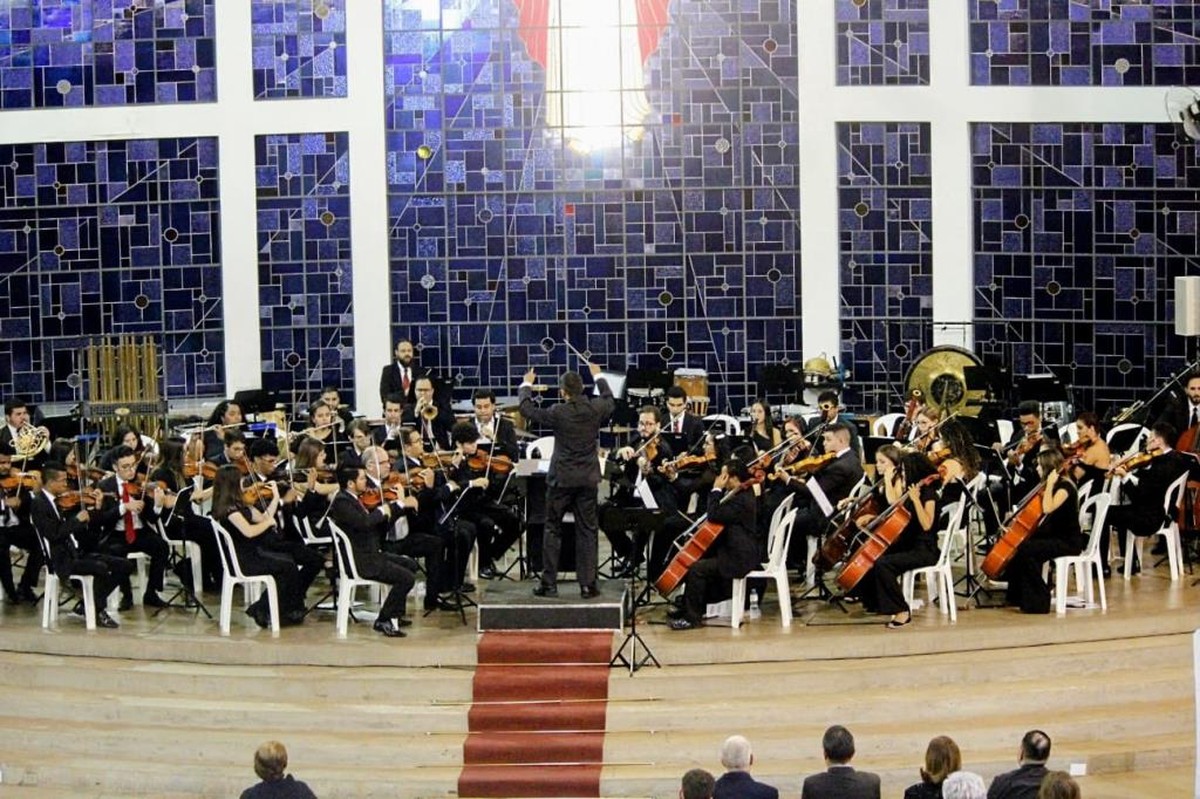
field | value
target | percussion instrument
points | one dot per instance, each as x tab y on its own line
694	383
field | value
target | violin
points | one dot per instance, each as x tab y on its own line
483	461
808	465
372	498
685	461
207	470
255	492
438	460
1135	461
1027	444
92	474
89	498
30	481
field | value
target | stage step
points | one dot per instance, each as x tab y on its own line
512	606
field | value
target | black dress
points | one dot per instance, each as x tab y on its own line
914	549
1057	535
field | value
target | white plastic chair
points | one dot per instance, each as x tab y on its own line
1085	563
732	426
51	589
141	578
939	582
775	569
348	577
1068	433
191	550
1138	441
1169	530
885	426
235	576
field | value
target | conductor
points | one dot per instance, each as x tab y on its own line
574	475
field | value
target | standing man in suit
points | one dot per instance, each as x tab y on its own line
574	474
736	782
1024	782
400	376
366	529
840	780
72	545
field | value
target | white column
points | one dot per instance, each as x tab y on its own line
368	201
820	297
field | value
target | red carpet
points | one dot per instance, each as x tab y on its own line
537	722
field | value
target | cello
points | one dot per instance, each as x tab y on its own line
1022	523
701	536
835	546
881	533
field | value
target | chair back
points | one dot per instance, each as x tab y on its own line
541	448
304	527
44	545
1174	498
1093	515
732	426
953	514
779	538
345	552
1124	432
229	558
885	426
777	516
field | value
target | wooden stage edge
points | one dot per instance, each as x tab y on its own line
1147	606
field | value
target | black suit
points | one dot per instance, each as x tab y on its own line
819	423
111	522
72	549
364	529
1023	783
740	785
841	782
734	553
16	531
836	480
391	381
502	434
1145	490
436	434
573	477
7	445
687	441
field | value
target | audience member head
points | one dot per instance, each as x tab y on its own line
1058	785
838	744
964	785
942	759
1035	747
736	754
270	761
696	784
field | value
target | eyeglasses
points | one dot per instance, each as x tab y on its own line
826	406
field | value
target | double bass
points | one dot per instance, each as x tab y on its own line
881	533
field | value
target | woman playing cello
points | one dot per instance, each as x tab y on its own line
916	545
1057	534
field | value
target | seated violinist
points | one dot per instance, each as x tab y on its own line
1092	453
818	495
1056	535
956	458
128	521
233	451
263	487
250	529
73	546
496	434
732	555
926	428
1145	488
364	530
1020	464
359	433
829	406
174	507
641	489
914	546
474	489
312	480
16	531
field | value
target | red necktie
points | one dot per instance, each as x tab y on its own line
679	424
130	533
404	382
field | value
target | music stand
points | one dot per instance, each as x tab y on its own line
633	639
781	380
256	400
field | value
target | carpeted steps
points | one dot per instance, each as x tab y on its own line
536	725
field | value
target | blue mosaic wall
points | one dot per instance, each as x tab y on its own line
299	48
885	239
304	267
109	238
882	42
1080	230
674	248
1097	43
74	53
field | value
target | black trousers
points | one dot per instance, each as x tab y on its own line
257	561
880	588
22	537
704	584
199	529
433	550
1026	588
389	569
148	541
581	500
109	571
307	560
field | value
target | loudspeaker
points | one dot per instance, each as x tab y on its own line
1187	306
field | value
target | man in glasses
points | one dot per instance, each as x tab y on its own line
830	413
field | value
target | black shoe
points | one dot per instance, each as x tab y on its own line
106	621
1106	570
676	613
541	589
27	596
387	628
589	591
78	610
683	624
260	614
488	572
467	588
440	604
153	600
403	622
126	603
290	619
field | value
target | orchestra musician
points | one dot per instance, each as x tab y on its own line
496	433
323	428
1094	459
475	491
341	413
173	504
250	529
574	473
1020	463
1185	415
72	543
400	537
359	433
958	460
264	473
818	495
641	464
387	435
763	432
143	447
400	376
925	429
313	480
427	485
1056	535
364	530
430	418
829	411
233	449
1145	490
684	429
227	414
916	547
16	531
16	416
734	553
128	522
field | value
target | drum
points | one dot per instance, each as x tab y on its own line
693	381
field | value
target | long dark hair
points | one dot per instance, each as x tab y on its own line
227	492
171	457
955	437
218	414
